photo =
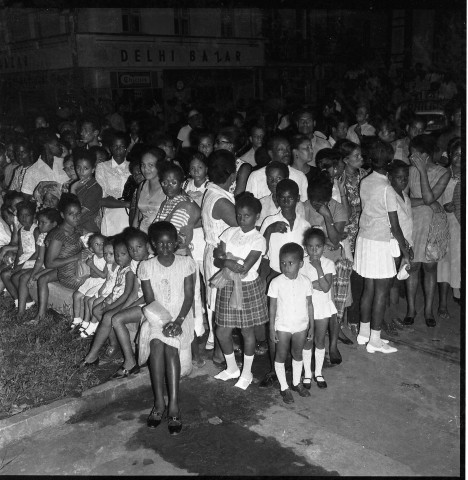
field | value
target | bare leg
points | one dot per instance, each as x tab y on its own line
6	278
429	285
335	328
23	291
381	290
411	288
43	291
101	335
444	289
157	362
119	322
173	379
78	307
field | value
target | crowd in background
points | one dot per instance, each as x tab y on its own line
279	222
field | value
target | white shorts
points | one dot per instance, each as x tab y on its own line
292	327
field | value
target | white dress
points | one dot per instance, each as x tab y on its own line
112	177
212	229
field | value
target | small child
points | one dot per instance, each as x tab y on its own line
98	293
47	219
27	237
98	274
112	304
10	202
291	317
240	251
319	270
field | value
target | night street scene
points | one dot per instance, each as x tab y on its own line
179	185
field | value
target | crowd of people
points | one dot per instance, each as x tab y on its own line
270	234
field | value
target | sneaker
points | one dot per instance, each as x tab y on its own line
301	390
384	348
287	396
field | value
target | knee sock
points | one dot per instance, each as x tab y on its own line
307	359
375	338
319	358
296	372
247	369
231	363
281	374
364	330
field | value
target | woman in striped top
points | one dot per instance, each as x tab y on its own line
178	208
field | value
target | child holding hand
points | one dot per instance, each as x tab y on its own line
291	317
98	273
319	270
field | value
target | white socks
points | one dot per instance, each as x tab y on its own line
364	329
307	358
16	302
296	372
231	363
77	321
319	358
281	374
247	369
375	338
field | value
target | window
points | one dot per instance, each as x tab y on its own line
227	22
131	20
181	21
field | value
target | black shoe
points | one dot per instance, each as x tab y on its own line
123	372
306	384
85	364
408	320
154	418
344	339
320	383
287	396
430	322
174	424
268	380
300	390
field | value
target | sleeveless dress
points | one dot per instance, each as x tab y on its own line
422	215
28	245
213	229
449	268
149	205
71	245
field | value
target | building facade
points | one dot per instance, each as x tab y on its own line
208	55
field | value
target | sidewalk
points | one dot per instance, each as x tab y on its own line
389	415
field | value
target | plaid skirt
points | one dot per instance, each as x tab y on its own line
254	306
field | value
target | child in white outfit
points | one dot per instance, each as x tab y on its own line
291	317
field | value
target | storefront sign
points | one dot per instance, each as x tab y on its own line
168	52
134	79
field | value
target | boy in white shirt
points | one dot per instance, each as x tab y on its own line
291	317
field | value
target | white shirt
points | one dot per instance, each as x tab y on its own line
366	130
277	240
240	244
184	135
291	306
405	216
269	208
41	172
249	157
257	183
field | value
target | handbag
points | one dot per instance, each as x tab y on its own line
438	237
394	246
82	269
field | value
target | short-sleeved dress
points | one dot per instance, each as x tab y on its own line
422	215
71	245
167	284
322	301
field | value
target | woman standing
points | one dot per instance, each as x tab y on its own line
218	213
150	193
448	269
373	256
112	175
353	174
427	182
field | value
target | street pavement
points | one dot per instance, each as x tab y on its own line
386	415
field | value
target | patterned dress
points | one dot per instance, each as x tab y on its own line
354	200
71	245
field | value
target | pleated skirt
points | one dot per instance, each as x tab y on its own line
372	259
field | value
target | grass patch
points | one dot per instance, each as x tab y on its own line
37	362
